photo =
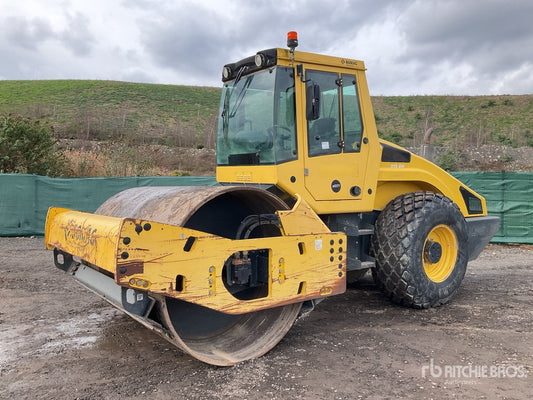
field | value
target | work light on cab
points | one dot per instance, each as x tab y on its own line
260	60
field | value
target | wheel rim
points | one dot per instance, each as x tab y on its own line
440	253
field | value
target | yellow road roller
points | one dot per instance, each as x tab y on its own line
309	199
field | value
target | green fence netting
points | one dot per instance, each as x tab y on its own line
24	199
509	195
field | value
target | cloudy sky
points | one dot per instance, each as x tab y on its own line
409	46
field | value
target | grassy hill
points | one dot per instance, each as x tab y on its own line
103	110
457	121
132	114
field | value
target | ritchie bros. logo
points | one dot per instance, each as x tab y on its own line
470	371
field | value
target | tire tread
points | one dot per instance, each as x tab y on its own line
396	273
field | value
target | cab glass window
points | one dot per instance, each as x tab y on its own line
324	131
257	119
351	114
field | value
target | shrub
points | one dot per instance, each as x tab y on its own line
504	140
394	137
506	157
447	161
528	136
28	147
180	172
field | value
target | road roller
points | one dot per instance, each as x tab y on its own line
309	199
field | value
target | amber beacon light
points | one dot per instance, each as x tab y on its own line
292	40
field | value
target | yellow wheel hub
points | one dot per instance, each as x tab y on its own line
440	253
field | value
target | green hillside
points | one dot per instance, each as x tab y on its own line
102	110
185	115
458	121
131	114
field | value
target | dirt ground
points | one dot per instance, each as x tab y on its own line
60	341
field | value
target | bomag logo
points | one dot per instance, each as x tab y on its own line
348	62
79	235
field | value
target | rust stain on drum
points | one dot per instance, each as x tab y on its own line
128	268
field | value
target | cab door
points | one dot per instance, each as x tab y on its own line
335	162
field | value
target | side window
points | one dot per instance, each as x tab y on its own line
324	132
351	114
284	127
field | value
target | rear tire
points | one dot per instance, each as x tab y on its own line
420	246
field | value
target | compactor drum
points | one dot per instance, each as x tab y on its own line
310	198
209	335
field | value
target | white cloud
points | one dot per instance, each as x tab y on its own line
409	47
516	81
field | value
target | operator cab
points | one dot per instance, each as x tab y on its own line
295	121
257	124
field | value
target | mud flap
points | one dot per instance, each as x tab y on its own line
136	301
480	231
62	260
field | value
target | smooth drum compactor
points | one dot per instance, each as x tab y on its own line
309	199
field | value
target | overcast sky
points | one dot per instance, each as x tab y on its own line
409	46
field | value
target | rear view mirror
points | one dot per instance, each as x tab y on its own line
313	102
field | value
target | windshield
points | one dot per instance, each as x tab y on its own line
257	119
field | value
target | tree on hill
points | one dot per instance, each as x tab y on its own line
29	147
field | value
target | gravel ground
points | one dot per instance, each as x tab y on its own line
59	341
